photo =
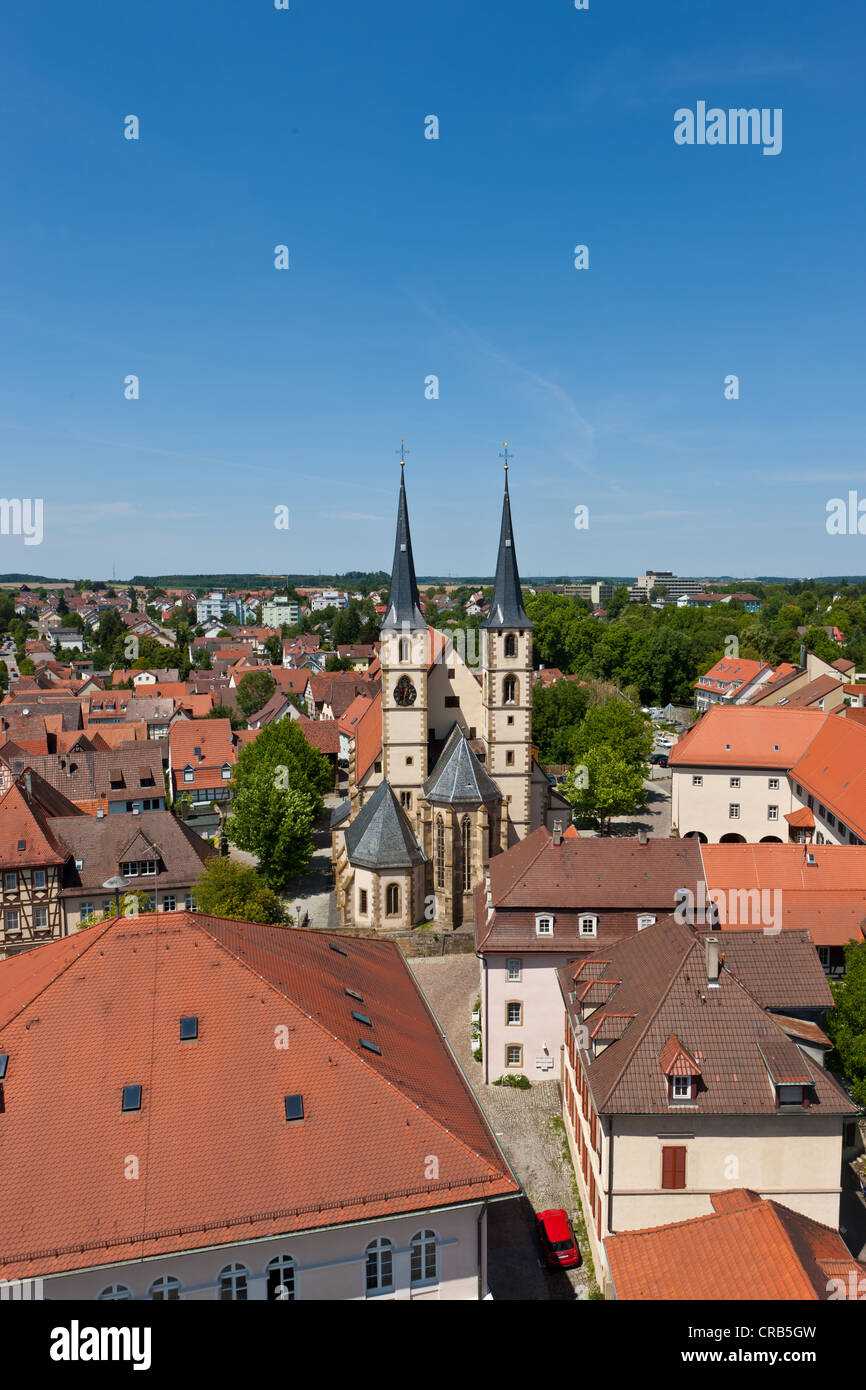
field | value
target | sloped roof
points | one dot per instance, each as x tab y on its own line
827	896
380	836
108	1002
458	777
664	985
748	736
749	1248
404	603
833	767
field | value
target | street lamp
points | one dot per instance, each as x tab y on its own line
115	884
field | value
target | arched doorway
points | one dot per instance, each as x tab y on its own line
696	835
732	840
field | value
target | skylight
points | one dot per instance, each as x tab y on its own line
131	1098
353	994
4	1062
362	1018
189	1028
334	947
294	1107
22	844
370	1046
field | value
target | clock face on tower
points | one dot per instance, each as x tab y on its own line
405	692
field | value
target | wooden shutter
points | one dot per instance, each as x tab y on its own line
673	1166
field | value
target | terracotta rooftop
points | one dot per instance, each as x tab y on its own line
749	1248
832	766
748	736
108	1003
827	896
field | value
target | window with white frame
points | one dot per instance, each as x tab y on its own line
113	1293
188	902
169	903
682	1088
513	1056
188	774
40	918
164	1288
86	909
233	1283
773	784
13	922
379	1267
588	926
282	1279
735	783
544	925
40	878
514	967
697	781
645	919
423	1259
226	772
514	1012
772	813
10	881
734	811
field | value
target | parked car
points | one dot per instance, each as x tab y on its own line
658	759
559	1249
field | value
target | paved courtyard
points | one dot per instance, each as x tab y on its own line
529	1129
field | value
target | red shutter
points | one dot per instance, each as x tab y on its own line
673	1166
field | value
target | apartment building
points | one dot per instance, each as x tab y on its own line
279	610
345	1155
729	773
678	1084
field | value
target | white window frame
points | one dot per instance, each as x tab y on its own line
678	1081
513	1022
168	1286
113	1293
286	1291
420	1245
734	783
40	874
772	813
376	1250
733	810
645	919
514	1047
588	925
773	784
697	781
232	1281
545	919
514	969
10	881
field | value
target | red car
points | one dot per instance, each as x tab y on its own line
559	1249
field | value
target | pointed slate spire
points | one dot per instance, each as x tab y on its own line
506	606
404	604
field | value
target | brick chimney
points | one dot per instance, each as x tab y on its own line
642	837
557	832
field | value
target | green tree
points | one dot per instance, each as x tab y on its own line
557	712
26	667
274	650
274	822
254	691
229	889
620	727
618	601
226	712
337	663
606	784
846	1024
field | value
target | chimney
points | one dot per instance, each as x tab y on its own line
557	832
642	837
711	947
100	813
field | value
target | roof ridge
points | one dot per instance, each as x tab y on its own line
98	935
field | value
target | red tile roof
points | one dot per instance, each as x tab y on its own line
748	736
827	896
747	1249
108	1002
833	767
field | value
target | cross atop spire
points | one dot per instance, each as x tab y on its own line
402	451
506	606
404	603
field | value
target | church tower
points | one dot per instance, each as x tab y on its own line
506	660
404	658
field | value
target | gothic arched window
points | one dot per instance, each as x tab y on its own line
510	644
509	690
440	852
466	836
392	900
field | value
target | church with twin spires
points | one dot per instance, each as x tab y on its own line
442	770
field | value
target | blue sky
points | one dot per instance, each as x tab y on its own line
411	257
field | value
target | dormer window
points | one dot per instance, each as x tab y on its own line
188	774
226	771
544	924
681	1088
588	926
645	920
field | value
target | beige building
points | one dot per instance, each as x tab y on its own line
679	1084
261	1113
